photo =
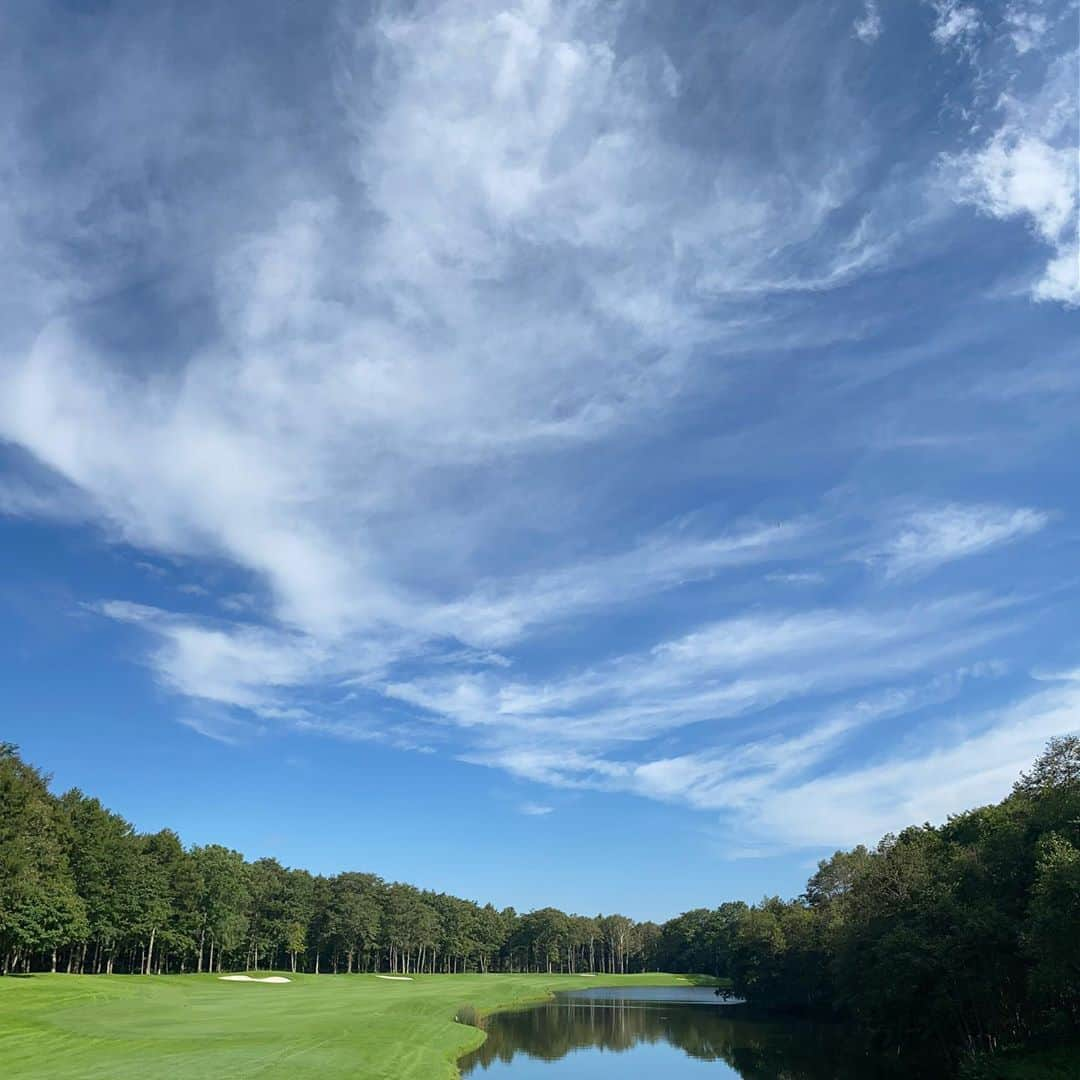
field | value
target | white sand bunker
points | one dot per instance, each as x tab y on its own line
396	978
248	978
587	974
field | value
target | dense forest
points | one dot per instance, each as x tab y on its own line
958	938
954	940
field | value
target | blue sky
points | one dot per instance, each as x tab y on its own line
608	454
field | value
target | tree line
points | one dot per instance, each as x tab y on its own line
952	941
961	938
82	892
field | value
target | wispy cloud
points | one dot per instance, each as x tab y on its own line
359	353
1027	170
531	809
220	725
719	672
48	500
225	664
868	25
928	538
797	577
499	613
803	790
956	23
246	664
925	782
1028	25
481	364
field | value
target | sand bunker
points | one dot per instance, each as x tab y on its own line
587	974
248	978
396	978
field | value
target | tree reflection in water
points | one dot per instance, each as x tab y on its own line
756	1049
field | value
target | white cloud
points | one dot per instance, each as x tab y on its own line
1019	175
220	725
924	783
501	612
797	577
721	671
527	272
804	790
956	23
59	502
1028	170
928	538
228	665
1061	279
263	667
1027	26
525	264
868	24
531	809
1044	377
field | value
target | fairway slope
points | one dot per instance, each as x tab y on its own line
188	1027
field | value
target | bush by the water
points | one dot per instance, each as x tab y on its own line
468	1014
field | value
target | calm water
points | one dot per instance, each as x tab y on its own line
668	1032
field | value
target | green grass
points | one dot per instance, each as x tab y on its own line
194	1027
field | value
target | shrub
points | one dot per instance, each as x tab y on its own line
468	1014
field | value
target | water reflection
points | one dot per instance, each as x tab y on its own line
606	1033
652	995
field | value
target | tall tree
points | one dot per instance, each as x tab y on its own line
40	909
222	905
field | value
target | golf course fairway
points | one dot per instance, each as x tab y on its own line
197	1027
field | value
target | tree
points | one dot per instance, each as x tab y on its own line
1057	767
354	915
222	905
177	916
40	908
836	876
1050	931
268	916
299	912
615	930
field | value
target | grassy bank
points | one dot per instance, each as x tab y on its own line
65	1027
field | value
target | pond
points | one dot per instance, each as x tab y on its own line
670	1032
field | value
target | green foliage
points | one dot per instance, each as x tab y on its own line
1056	770
1058	1063
947	942
1051	929
40	908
